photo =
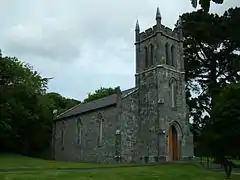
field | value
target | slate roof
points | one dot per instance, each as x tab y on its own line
92	105
127	91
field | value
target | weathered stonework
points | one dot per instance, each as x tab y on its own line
88	150
129	126
134	125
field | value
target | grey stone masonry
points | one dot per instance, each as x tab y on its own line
147	123
87	148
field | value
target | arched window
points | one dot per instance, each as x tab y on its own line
173	56
173	89
79	130
173	93
151	55
63	132
166	53
100	128
146	56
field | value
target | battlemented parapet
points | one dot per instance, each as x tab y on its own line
158	45
175	34
165	31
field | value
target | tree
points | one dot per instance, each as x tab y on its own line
211	45
59	102
100	93
26	110
20	91
221	137
205	4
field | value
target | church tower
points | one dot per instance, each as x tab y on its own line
164	131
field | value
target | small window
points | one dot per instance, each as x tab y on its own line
62	137
151	55
146	56
173	56
173	95
167	53
79	131
62	133
173	87
100	129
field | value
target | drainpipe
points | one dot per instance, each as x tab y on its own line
53	133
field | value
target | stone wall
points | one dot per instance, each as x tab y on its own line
137	127
156	113
148	143
86	147
129	127
177	115
158	38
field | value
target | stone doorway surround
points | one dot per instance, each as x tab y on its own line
174	136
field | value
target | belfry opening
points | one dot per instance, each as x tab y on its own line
173	145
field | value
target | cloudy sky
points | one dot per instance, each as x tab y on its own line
83	44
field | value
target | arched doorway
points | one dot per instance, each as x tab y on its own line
173	147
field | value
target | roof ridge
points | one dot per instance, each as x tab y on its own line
64	112
60	116
130	92
100	98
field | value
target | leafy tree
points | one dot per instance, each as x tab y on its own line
100	93
59	102
221	137
205	4
26	110
211	45
21	87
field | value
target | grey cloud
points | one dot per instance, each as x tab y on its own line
83	44
40	41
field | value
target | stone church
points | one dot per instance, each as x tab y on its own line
147	123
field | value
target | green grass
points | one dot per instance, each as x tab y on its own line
211	159
163	172
17	161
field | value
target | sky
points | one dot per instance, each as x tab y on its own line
83	45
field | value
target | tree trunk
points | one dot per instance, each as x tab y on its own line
213	86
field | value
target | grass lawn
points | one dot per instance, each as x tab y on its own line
17	161
160	172
204	160
211	159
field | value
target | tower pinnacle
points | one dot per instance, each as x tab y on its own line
137	28
137	31
158	16
179	27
